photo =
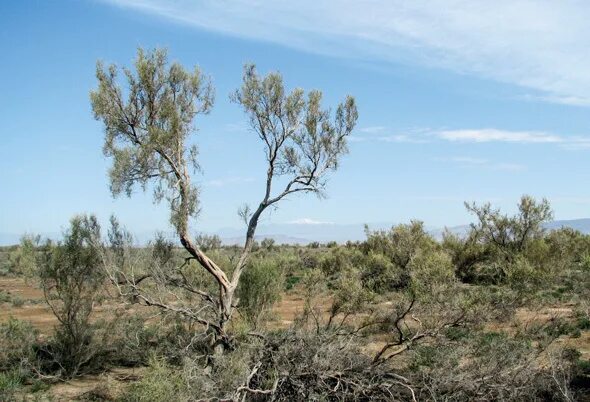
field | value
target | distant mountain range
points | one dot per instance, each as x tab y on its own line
307	232
304	233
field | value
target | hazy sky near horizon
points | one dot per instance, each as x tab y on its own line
458	101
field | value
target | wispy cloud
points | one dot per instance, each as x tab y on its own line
227	181
537	44
482	135
391	138
471	162
308	221
572	143
373	129
494	135
412	135
451	198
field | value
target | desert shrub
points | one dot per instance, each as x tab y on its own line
268	244
133	341
17	301
400	244
260	287
190	379
567	246
160	382
18	340
338	259
352	244
228	372
291	281
309	259
431	270
72	282
512	234
482	367
380	274
22	260
314	290
208	242
304	366
390	254
467	254
512	250
349	297
10	382
5	297
18	357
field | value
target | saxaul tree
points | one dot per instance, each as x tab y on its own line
148	121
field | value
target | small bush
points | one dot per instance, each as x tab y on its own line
260	287
381	275
159	383
10	382
268	244
18	340
208	242
72	281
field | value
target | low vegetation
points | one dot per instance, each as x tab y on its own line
398	316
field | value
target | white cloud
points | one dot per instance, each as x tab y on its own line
577	143
372	129
538	44
390	138
493	135
572	143
483	135
308	221
411	135
471	162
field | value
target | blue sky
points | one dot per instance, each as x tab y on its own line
458	100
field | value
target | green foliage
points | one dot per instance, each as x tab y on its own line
502	249
17	344
190	380
432	271
10	382
291	281
22	260
72	281
208	242
392	256
380	275
159	383
147	125
400	244
268	244
304	140
468	255
349	296
512	234
260	287
338	259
